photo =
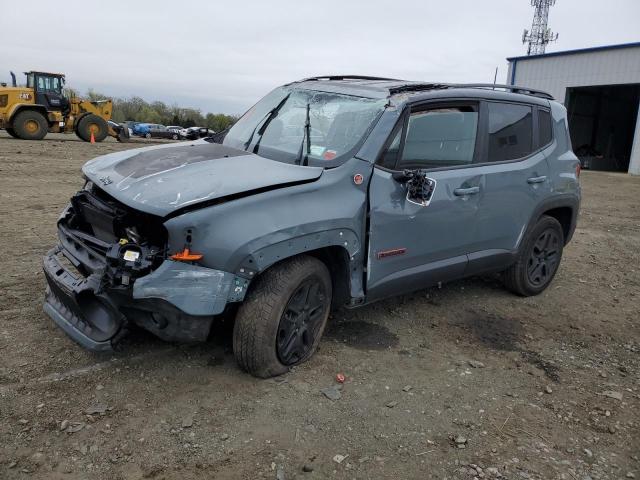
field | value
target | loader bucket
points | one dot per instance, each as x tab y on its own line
120	133
123	134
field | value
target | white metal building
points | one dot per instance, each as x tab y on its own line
601	89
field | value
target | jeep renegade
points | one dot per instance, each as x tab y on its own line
330	191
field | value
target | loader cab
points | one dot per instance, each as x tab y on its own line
47	88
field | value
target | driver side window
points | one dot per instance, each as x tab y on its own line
440	137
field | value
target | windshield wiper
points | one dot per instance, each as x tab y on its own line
262	125
306	136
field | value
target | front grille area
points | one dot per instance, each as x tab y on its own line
99	214
96	226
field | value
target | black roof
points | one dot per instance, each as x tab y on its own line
380	87
45	73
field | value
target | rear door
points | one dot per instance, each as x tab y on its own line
516	177
414	245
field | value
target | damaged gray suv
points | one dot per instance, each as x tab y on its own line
330	191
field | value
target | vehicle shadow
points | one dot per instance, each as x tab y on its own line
353	328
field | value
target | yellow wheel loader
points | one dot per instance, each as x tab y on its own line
40	107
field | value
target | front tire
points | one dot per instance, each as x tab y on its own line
30	125
92	124
281	321
538	259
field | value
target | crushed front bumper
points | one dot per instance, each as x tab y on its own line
176	302
67	300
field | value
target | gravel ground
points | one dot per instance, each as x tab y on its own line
460	382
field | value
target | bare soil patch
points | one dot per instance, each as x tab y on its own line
459	382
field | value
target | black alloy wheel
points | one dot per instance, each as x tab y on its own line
300	322
281	320
538	258
543	260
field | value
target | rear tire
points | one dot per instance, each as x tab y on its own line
147	135
92	124
538	259
30	125
12	132
282	319
174	136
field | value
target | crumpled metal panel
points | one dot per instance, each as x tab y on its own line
193	289
162	180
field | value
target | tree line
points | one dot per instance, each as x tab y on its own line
139	110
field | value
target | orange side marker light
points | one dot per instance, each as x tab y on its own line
186	256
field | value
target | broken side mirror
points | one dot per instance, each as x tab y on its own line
420	188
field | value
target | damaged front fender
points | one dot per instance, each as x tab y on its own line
193	289
248	235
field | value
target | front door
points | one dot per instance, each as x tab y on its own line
415	244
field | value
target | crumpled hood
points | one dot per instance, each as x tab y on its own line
162	179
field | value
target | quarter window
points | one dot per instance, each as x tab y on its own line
544	127
390	155
440	137
510	131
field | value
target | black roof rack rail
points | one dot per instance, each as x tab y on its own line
512	88
416	87
347	77
423	86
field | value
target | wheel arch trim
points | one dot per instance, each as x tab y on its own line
570	201
312	244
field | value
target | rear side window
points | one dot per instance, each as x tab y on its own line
510	131
545	131
440	137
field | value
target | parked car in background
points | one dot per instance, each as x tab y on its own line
155	130
194	133
160	131
141	129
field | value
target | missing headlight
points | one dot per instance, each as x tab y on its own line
132	234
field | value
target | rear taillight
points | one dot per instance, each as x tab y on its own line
578	170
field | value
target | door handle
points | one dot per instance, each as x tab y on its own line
536	179
461	192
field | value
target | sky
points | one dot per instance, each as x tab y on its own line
224	56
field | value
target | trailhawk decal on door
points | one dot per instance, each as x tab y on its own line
391	252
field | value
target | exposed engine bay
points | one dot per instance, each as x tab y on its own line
104	248
126	243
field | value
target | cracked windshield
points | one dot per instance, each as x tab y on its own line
305	127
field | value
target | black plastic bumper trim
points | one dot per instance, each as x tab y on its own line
59	313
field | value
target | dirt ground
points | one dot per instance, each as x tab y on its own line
467	381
